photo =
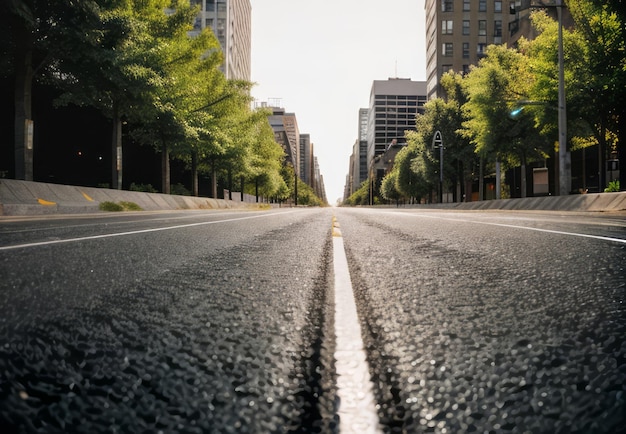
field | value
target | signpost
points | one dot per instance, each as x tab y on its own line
438	143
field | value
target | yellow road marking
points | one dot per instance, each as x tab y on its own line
336	230
87	196
46	202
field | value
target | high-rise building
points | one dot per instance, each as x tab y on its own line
458	33
394	103
231	22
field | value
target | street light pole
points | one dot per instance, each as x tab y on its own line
438	143
564	157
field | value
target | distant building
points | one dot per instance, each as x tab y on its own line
394	104
287	134
231	22
360	150
318	183
307	170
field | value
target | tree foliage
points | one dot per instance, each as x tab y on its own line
135	62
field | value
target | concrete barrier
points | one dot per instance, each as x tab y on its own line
38	198
593	202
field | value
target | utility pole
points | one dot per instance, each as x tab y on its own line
565	182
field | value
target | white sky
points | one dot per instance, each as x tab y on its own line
319	59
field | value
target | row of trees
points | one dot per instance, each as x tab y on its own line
136	63
504	109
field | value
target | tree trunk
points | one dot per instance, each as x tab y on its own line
621	156
524	193
498	180
214	181
165	170
116	150
230	185
24	74
194	173
242	185
481	180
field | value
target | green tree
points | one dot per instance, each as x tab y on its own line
40	38
361	196
266	159
500	80
415	168
602	26
459	149
388	187
124	69
182	64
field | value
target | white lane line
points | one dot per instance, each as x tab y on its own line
357	406
573	234
142	231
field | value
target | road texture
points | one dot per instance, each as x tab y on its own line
483	322
211	328
222	321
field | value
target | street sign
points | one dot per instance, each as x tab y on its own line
437	140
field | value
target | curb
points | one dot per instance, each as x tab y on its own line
20	198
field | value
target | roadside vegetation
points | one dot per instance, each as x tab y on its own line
136	63
119	206
504	109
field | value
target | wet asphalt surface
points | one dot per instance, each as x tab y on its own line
226	335
227	327
482	328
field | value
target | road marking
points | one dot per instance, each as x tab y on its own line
45	202
142	231
573	234
357	408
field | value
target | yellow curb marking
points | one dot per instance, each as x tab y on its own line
86	196
46	202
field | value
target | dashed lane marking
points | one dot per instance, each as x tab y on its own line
357	407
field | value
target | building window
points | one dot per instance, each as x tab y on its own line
466	5
497	28
466	27
447	49
445	68
466	69
447	5
497	6
482	5
446	27
497	32
466	50
480	50
482	28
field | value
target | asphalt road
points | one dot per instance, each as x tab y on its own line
224	321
